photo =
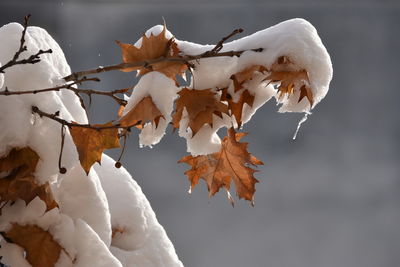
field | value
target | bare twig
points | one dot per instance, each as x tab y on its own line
35	58
62	169
219	45
70	86
56	118
118	162
145	64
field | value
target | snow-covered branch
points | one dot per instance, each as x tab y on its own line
51	188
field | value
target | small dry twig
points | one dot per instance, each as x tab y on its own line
185	59
56	118
32	59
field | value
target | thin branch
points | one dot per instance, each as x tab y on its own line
118	162
56	118
56	88
83	105
219	45
35	58
145	64
62	169
69	86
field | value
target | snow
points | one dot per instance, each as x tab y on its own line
75	236
155	30
295	39
82	224
143	241
206	140
15	111
163	92
12	255
89	196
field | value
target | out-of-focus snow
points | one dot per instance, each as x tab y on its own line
82	223
13	255
76	237
20	128
15	111
295	39
77	189
139	239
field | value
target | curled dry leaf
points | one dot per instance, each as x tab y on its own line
220	168
17	180
236	108
245	75
91	143
144	111
19	162
200	106
284	72
153	47
40	247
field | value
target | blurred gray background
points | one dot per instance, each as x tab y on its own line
329	198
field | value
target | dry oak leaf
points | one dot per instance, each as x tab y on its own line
144	111
40	247
230	163
91	142
17	180
200	106
245	75
154	47
236	108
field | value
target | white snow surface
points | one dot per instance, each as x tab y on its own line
82	224
295	39
163	93
142	241
76	237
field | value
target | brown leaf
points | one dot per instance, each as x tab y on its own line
154	47
283	71
236	108
120	111
18	182
144	111
245	75
200	106
305	91
230	163
40	247
19	162
117	231
91	143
